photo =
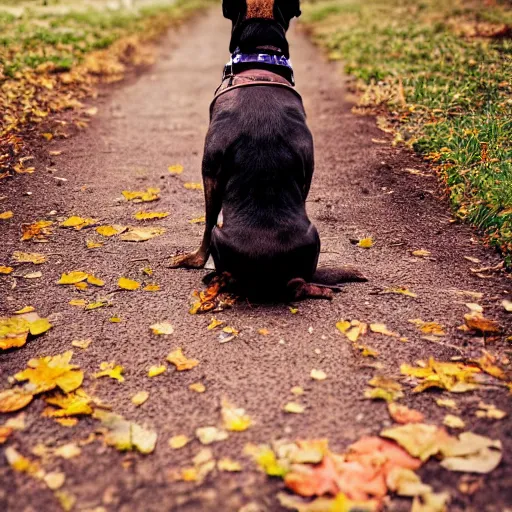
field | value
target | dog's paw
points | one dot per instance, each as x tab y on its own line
194	260
300	290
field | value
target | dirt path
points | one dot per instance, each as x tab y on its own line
361	188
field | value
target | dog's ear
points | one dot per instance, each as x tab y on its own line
290	8
231	9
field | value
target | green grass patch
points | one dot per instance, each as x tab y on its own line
443	72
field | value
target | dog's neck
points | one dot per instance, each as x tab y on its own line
256	35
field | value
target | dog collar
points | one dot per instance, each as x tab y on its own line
267	59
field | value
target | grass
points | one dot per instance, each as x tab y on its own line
442	71
54	52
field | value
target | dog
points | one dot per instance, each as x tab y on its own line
258	165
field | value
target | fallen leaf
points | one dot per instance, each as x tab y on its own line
6	270
81	303
66	500
193	186
151	194
297	391
74	277
76	403
472	259
109	230
419	439
47	373
447	402
507	305
198	220
150	215
230	465
366	243
110	370
214	324
453	421
67	451
234	418
95	281
294	408
263	332
399	291
139	398
91	244
96	305
154	371
177	442
39	230
12	400
152	288
490	411
429	327
78	223
318	375
67	422
178	359
6	215
209	435
33	275
403	415
54	480
176	169
29	257
198	387
421	253
141	234
367	351
128	284
477	322
115	320
405	482
385	388
20	463
163	328
382	329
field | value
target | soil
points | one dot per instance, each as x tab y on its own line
362	187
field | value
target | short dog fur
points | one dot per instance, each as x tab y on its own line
257	169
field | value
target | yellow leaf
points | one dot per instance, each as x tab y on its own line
490	411
164	328
48	136
152	288
26	309
399	291
366	243
141	234
81	303
150	215
177	442
429	327
128	284
178	359
81	286
71	404
318	375
6	215
39	326
78	223
382	329
343	326
446	402
209	435
115	320
39	230
234	418
198	220
151	194
19	463
140	397
193	186
96	305
297	391
83	344
91	244
54	480
453	421
263	332
293	310
198	387
154	371
294	408
47	373
176	169
95	281
5	270
507	305
67	422
421	253
13	332
367	351
12	400
229	465
74	277
214	324
29	257
109	230
110	370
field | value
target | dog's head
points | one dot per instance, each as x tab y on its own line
281	11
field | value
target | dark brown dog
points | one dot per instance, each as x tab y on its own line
258	165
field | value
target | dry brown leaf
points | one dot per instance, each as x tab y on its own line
38	231
12	400
382	329
29	257
478	322
403	415
178	359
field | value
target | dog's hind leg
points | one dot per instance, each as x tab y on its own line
298	289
